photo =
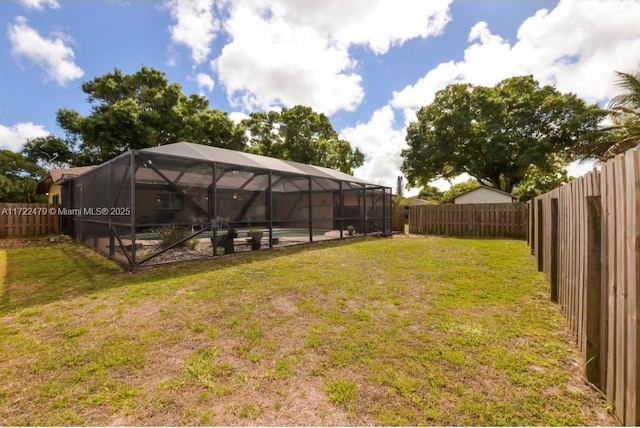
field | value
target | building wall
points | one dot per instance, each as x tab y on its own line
482	195
54	190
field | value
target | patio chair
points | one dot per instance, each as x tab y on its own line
220	223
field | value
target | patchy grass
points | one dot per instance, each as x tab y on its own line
403	331
341	392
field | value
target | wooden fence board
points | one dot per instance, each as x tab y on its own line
397	219
591	351
608	187
571	258
581	239
632	189
562	266
621	292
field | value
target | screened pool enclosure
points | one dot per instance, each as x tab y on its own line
184	200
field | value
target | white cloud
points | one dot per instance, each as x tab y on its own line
287	52
411	98
276	62
387	24
380	141
13	138
205	82
581	43
576	47
578	168
238	116
53	55
39	4
195	26
378	24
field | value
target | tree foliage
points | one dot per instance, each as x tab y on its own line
495	134
400	186
536	183
302	135
140	110
431	194
623	132
49	151
18	178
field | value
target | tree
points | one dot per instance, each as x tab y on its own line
623	132
431	194
399	186
140	110
49	151
18	178
495	134
536	183
299	134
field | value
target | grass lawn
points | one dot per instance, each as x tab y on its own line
402	331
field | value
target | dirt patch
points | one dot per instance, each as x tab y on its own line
8	243
284	305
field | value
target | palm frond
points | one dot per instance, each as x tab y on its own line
631	84
624	131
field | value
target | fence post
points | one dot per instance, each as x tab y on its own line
540	240
632	252
532	225
526	223
554	250
593	298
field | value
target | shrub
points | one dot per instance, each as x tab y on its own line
169	235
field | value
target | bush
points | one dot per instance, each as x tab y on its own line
169	235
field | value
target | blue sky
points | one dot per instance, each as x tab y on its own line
368	64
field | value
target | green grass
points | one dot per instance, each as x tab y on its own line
403	331
341	392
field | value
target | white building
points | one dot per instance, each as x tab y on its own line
484	195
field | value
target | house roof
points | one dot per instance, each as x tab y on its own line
59	176
482	186
231	157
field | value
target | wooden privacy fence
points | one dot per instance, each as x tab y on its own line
24	220
586	238
477	220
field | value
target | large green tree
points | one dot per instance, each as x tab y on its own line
431	194
495	134
302	135
49	151
139	110
18	178
623	131
536	183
